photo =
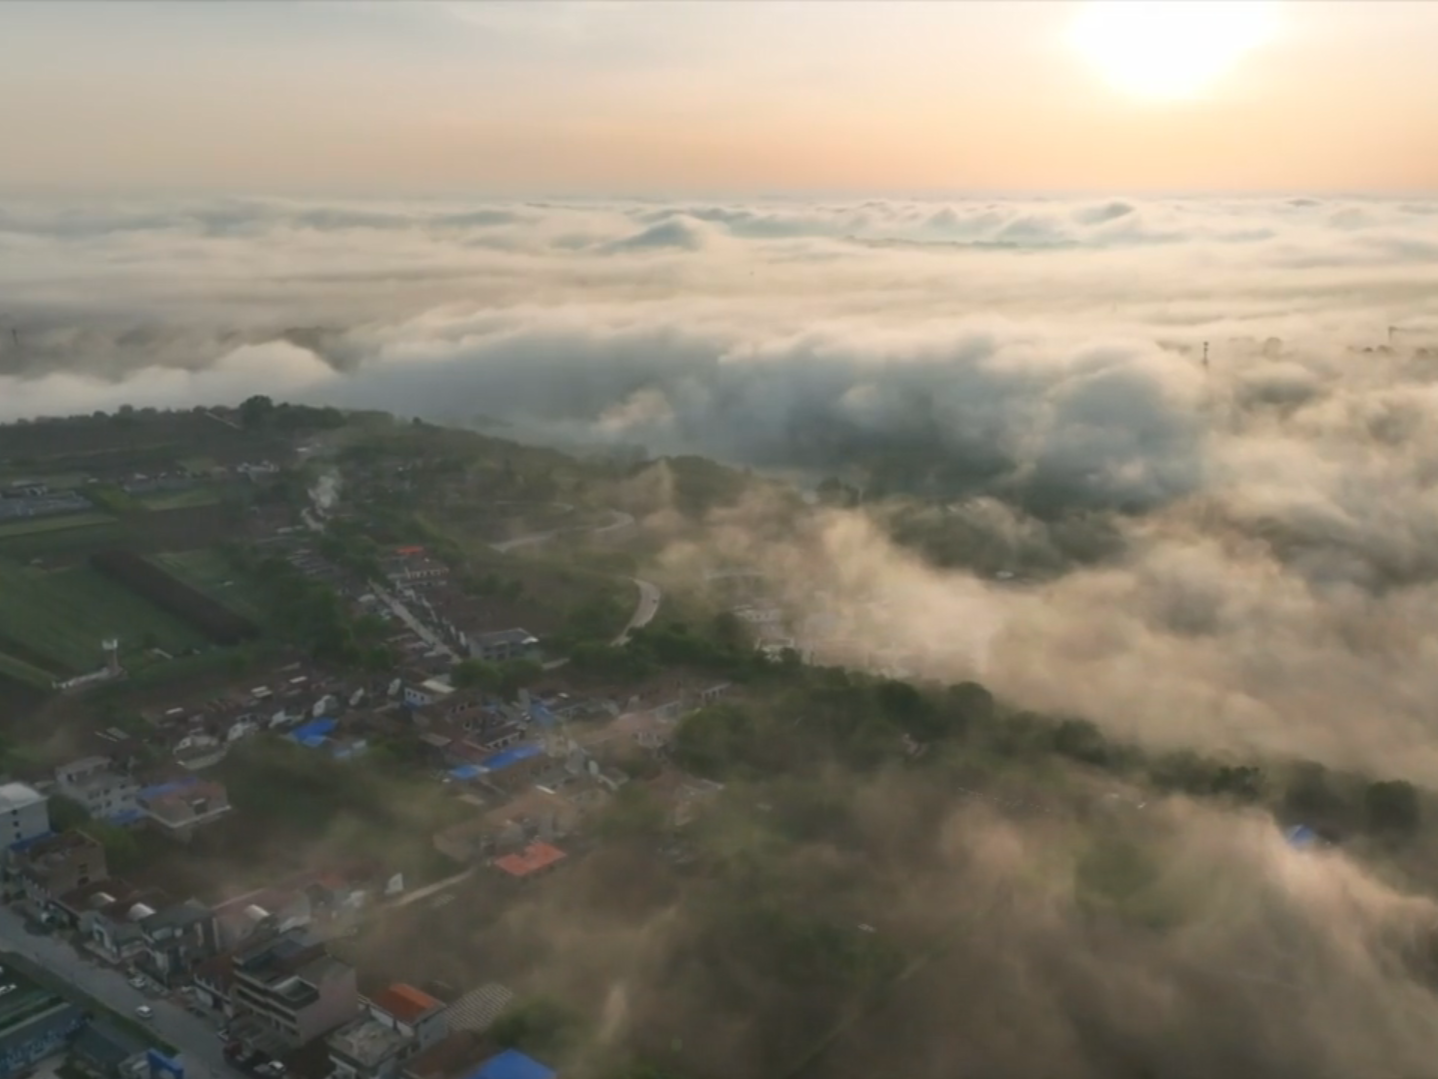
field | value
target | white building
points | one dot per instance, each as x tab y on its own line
93	783
24	813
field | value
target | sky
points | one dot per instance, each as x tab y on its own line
662	97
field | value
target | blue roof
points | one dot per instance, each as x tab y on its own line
510	756
512	1064
312	734
541	715
466	771
25	844
126	816
1301	836
159	790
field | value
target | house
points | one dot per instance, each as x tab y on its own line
429	691
453	1058
106	917
534	812
24	813
262	913
181	806
103	1051
293	987
398	1023
94	784
178	939
56	865
512	1064
535	860
503	645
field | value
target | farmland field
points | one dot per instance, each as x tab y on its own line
30	526
63	614
207	571
172	500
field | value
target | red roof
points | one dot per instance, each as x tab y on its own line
405	1002
530	860
409	550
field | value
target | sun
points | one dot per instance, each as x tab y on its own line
1168	50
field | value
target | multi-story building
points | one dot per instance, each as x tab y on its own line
56	865
94	783
24	814
293	986
503	645
178	939
179	807
397	1024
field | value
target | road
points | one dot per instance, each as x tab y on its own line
200	1047
650	596
618	519
409	618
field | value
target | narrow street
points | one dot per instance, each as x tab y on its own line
200	1047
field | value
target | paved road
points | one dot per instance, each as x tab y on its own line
409	618
650	596
200	1047
618	519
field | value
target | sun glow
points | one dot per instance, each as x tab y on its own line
1169	49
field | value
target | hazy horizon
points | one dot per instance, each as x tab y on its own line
502	99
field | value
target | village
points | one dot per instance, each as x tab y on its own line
521	752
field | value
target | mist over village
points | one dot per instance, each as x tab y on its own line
817	541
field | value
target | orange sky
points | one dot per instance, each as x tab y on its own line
648	96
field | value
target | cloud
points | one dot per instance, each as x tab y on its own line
1260	530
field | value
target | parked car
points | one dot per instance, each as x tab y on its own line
144	1011
137	982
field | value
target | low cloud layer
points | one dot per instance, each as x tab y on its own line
1274	577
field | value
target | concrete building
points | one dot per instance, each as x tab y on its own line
178	939
293	987
94	783
35	1022
56	865
181	806
24	813
104	1051
503	645
398	1024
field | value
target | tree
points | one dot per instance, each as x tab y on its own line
475	674
971	704
254	411
1080	740
66	813
1310	796
1392	806
540	1026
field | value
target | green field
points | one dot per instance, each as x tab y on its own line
174	500
30	526
207	571
62	615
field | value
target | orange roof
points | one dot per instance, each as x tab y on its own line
405	1002
409	550
530	860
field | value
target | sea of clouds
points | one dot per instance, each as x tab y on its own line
1279	581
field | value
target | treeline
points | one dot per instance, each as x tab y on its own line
214	620
865	722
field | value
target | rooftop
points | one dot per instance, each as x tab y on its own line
512	1064
367	1042
530	860
405	1002
15	796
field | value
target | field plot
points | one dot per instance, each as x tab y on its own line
174	500
62	615
207	571
60	522
155	584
